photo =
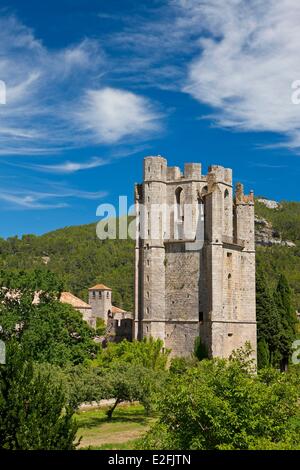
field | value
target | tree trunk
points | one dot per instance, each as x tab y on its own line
112	409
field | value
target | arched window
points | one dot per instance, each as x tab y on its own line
201	214
179	213
107	295
178	195
227	216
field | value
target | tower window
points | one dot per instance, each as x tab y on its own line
178	195
200	316
226	193
148	278
107	295
229	276
94	294
148	295
148	262
100	295
229	255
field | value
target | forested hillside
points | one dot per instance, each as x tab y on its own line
78	257
280	258
81	259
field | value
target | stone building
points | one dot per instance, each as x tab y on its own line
187	287
119	322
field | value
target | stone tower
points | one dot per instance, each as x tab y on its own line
188	286
100	301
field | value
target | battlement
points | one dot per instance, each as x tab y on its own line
157	169
240	197
173	173
192	171
221	174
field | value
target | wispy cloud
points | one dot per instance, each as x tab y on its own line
248	58
24	198
55	100
28	201
69	166
240	57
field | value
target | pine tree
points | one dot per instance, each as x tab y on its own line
268	318
284	301
263	354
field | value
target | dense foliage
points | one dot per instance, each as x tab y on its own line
48	330
221	404
33	409
126	371
275	260
276	321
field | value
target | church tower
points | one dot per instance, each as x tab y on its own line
100	301
195	259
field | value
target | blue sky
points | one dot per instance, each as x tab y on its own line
93	86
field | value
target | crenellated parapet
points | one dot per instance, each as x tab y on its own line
240	197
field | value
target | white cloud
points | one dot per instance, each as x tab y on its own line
25	198
69	166
28	202
112	114
32	120
240	57
247	62
44	87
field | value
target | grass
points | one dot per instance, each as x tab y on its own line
129	423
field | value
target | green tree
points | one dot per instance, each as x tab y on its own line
49	331
200	350
263	354
129	383
34	413
268	318
149	353
284	302
221	404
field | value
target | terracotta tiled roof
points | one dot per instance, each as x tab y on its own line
117	310
99	287
68	298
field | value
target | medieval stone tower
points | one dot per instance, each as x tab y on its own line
187	285
100	301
